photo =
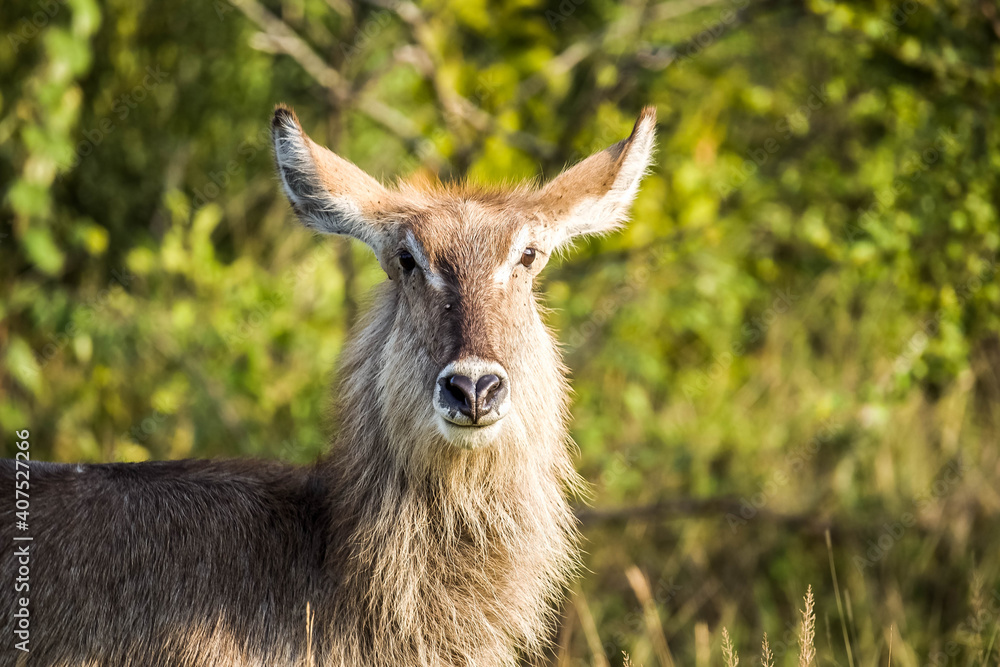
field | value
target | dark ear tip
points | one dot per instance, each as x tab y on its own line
647	115
283	117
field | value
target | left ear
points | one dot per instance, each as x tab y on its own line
594	197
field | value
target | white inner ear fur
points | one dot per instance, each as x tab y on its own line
319	209
608	212
347	211
290	152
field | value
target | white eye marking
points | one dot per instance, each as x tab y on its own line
517	248
413	246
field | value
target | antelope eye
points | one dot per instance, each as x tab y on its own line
528	257
406	261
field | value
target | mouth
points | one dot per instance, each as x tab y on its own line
470	436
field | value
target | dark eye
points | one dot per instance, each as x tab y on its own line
528	257
406	261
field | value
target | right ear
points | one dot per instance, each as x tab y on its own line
328	193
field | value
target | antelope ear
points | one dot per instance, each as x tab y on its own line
594	196
328	193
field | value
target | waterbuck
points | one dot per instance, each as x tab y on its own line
436	531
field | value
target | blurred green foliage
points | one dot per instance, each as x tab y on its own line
800	324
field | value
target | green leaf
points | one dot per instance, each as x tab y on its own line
42	250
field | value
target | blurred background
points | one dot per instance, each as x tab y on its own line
786	369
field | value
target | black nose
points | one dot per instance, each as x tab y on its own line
473	399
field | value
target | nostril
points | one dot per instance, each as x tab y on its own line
487	389
463	391
486	386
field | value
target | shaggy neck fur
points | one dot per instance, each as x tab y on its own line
457	556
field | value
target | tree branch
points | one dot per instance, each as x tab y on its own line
457	108
684	508
280	37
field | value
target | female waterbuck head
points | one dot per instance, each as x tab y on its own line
463	359
452	454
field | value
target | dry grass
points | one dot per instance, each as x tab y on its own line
807	640
766	657
640	586
728	650
662	617
310	622
807	631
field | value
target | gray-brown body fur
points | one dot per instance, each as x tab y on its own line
408	549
